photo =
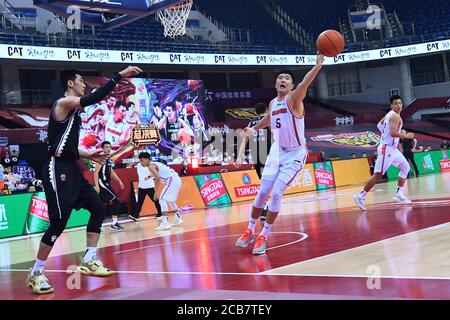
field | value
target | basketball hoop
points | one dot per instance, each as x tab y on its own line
174	19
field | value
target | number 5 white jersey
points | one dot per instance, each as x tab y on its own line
385	130
288	130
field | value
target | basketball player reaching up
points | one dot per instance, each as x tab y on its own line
263	143
169	194
388	154
102	178
288	152
65	187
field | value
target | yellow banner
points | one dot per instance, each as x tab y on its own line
241	185
303	181
351	171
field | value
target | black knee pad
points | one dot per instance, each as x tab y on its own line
53	232
98	214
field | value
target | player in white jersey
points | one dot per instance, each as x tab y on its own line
287	154
118	132
132	117
169	194
388	154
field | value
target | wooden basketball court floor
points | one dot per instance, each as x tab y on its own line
322	247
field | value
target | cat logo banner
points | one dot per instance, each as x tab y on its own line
366	139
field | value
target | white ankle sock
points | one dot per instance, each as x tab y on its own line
38	265
90	254
252	224
400	190
165	219
363	194
266	230
114	220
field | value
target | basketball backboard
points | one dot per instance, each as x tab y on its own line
109	13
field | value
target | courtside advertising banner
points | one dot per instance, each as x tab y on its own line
427	162
27	213
212	189
303	181
323	172
444	164
352	171
242	185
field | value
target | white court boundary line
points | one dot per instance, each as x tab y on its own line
304	237
324	196
356	248
246	274
269	272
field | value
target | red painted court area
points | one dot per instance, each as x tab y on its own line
205	264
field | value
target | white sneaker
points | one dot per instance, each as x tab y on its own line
401	198
163	226
177	221
359	201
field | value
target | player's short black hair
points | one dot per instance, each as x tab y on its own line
289	72
104	143
260	108
144	155
120	103
395	97
67	75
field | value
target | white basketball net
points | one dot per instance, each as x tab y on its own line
174	19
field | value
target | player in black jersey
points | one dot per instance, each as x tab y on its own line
65	187
102	178
262	141
408	146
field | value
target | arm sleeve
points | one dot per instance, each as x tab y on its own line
101	92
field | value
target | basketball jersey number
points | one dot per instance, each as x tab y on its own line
261	134
278	123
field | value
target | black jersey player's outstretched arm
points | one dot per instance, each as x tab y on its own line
95	156
264	123
75	98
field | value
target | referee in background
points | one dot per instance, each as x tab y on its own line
146	186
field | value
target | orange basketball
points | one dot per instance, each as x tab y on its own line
190	109
330	43
193	84
184	136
